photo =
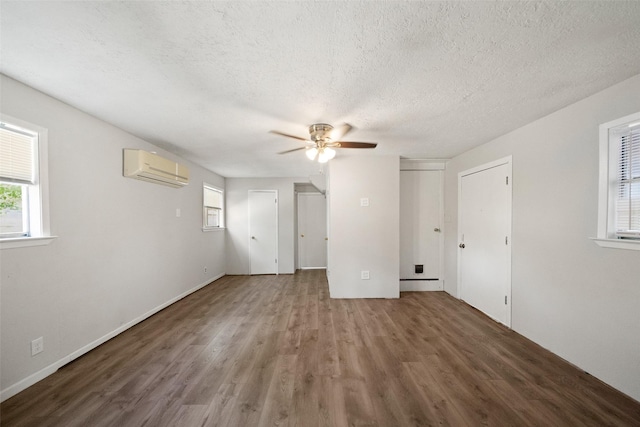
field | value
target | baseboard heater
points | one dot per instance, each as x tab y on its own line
415	280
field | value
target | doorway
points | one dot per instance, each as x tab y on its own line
263	231
484	245
312	231
420	230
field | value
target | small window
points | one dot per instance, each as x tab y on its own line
22	175
213	207
619	196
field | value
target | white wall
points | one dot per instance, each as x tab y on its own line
364	238
236	197
121	251
569	295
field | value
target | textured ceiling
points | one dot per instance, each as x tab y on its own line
208	80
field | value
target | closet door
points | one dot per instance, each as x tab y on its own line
263	231
484	249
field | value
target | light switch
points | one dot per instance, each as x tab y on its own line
364	201
178	213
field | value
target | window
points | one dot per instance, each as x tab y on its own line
627	180
213	208
619	196
23	196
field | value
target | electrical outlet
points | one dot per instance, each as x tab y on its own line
205	269
364	201
37	346
364	274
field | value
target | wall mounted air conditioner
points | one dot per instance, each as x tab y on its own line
140	164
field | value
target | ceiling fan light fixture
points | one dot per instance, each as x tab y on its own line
311	153
325	154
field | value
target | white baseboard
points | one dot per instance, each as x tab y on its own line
421	285
23	384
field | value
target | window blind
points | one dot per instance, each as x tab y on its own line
212	198
627	205
16	155
212	207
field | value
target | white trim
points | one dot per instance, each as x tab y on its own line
617	243
508	161
442	231
21	385
206	230
423	164
43	180
24	242
493	164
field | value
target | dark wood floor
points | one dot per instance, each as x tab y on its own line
275	350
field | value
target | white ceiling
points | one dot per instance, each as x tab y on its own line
208	80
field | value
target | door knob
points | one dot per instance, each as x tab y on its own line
437	230
302	235
253	237
461	246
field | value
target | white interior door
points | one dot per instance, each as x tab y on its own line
263	231
420	224
484	254
312	230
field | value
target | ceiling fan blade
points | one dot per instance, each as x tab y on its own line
340	132
290	151
345	144
288	136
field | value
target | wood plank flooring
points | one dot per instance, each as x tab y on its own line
277	351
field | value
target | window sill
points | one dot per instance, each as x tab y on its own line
206	230
617	243
23	242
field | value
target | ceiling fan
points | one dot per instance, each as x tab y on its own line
322	141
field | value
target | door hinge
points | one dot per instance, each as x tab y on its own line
505	300
276	261
507	180
506	240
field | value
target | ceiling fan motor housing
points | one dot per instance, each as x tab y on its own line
320	131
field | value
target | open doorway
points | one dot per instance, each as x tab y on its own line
311	227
